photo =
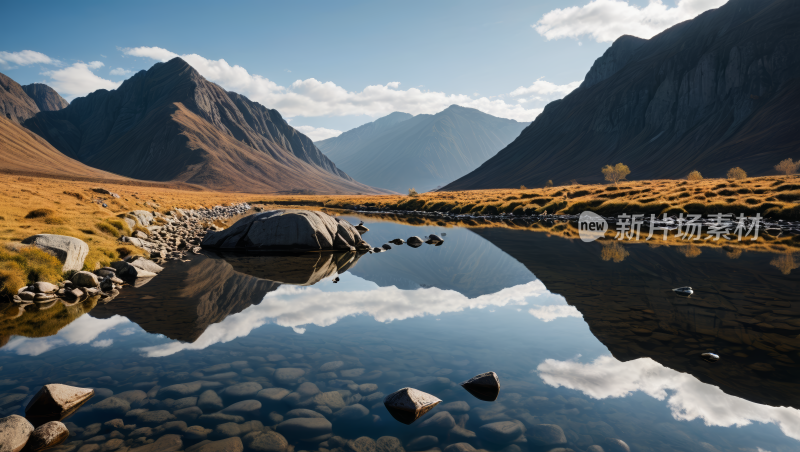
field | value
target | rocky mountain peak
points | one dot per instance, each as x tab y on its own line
45	97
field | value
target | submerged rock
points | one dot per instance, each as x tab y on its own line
288	229
46	436
55	402
485	386
14	433
546	435
305	429
265	440
409	404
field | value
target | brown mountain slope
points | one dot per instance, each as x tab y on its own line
170	124
709	94
22	151
46	98
15	104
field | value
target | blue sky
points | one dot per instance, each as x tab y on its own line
331	66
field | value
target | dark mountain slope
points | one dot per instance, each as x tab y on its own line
15	104
343	146
428	151
170	124
718	91
46	98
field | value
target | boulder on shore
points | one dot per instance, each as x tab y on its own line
69	250
56	401
287	230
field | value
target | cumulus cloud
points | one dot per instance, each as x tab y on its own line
297	306
82	331
318	133
312	97
687	397
542	90
553	312
103	343
78	80
120	71
25	58
607	20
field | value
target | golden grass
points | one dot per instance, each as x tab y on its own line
775	196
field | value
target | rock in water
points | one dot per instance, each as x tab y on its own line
47	435
55	402
85	279
287	230
414	242
14	433
683	291
710	357
69	250
409	404
433	238
397	241
485	386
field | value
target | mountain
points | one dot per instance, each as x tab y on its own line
398	152
343	146
15	104
170	124
24	152
46	98
716	92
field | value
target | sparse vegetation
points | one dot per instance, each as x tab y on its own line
24	264
616	173
788	167
522	187
737	174
549	183
412	192
694	175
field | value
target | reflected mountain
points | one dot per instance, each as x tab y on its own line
465	262
186	298
741	309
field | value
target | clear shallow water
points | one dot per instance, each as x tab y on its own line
600	348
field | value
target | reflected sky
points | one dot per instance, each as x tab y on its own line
687	397
82	331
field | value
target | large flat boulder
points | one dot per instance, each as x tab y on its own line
144	217
69	250
286	230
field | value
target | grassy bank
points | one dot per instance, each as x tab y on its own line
39	205
773	196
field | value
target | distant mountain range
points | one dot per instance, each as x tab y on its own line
170	124
401	151
716	92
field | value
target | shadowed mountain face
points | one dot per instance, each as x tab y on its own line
170	124
424	152
46	98
631	308
716	92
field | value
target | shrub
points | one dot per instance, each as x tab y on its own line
11	278
107	228
616	173
788	167
412	192
26	265
694	175
39	213
549	183
737	173
522	187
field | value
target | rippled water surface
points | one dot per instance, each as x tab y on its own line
583	337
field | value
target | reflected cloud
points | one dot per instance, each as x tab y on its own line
687	397
103	343
553	312
82	331
296	307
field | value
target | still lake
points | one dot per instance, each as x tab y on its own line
590	341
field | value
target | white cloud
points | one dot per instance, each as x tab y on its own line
687	397
312	97
78	80
318	133
553	312
25	58
607	20
297	306
103	343
544	91
120	71
82	331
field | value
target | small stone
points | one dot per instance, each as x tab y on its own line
503	432
272	394
304	429
455	407
167	443
85	279
289	374
188	414
302	412
409	404
224	445
546	435
351	412
439	421
44	287
330	366
112	406
459	447
243	407
615	445
265	440
242	390
154	417
219	418
209	401
414	242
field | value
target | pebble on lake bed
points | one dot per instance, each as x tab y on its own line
409	404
